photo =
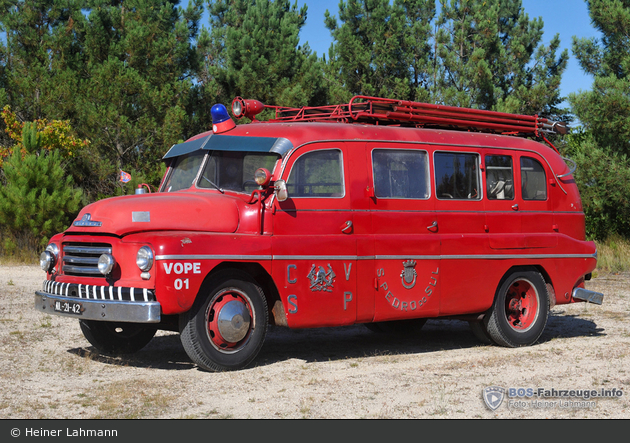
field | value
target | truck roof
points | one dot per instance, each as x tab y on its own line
374	119
282	138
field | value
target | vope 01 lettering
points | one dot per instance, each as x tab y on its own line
179	284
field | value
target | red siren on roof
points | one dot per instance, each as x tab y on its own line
246	108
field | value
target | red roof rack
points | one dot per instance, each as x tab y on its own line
383	111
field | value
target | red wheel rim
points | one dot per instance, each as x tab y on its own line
230	320
521	305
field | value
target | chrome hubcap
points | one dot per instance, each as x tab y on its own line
233	321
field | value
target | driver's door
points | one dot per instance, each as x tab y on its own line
314	250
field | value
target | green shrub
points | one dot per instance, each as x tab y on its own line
603	178
613	255
38	199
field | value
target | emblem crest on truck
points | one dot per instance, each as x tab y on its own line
86	220
320	279
408	275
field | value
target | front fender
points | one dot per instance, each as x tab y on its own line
183	260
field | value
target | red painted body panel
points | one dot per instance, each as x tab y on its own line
172	211
400	259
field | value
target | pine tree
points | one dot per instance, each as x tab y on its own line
418	46
601	148
486	55
41	56
491	57
136	79
368	53
605	109
120	71
253	51
38	198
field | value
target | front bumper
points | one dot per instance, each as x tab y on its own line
103	303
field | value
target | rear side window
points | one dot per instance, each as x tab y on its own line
317	174
457	176
400	173
499	177
533	179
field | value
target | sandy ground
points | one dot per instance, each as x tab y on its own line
49	371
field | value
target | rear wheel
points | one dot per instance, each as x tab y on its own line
117	338
226	327
520	310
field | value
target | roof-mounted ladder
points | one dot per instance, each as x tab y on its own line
383	111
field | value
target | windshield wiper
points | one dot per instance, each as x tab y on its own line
213	184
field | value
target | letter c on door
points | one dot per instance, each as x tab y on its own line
289	278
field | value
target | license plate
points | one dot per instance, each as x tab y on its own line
69	307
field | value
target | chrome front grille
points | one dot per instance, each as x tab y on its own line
81	259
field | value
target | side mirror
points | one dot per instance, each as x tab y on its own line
280	189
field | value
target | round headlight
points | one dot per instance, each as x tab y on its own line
48	258
144	259
106	264
46	261
262	177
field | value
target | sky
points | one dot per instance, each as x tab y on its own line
567	18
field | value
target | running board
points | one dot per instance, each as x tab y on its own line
588	296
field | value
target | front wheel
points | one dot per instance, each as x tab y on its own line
226	327
117	338
520	310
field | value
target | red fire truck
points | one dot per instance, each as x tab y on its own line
378	211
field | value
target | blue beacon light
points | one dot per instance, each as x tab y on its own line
221	120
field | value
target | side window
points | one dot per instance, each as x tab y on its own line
533	179
317	174
499	177
400	173
457	176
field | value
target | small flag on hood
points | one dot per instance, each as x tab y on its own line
124	176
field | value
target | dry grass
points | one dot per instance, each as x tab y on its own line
129	399
613	255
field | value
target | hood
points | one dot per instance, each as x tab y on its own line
177	211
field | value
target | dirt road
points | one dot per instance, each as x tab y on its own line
49	370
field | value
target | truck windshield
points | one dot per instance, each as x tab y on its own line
234	171
183	172
223	170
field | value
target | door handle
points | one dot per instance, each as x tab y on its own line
515	207
433	227
346	228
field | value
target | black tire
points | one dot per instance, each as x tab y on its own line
481	332
412	326
117	338
520	310
226	327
